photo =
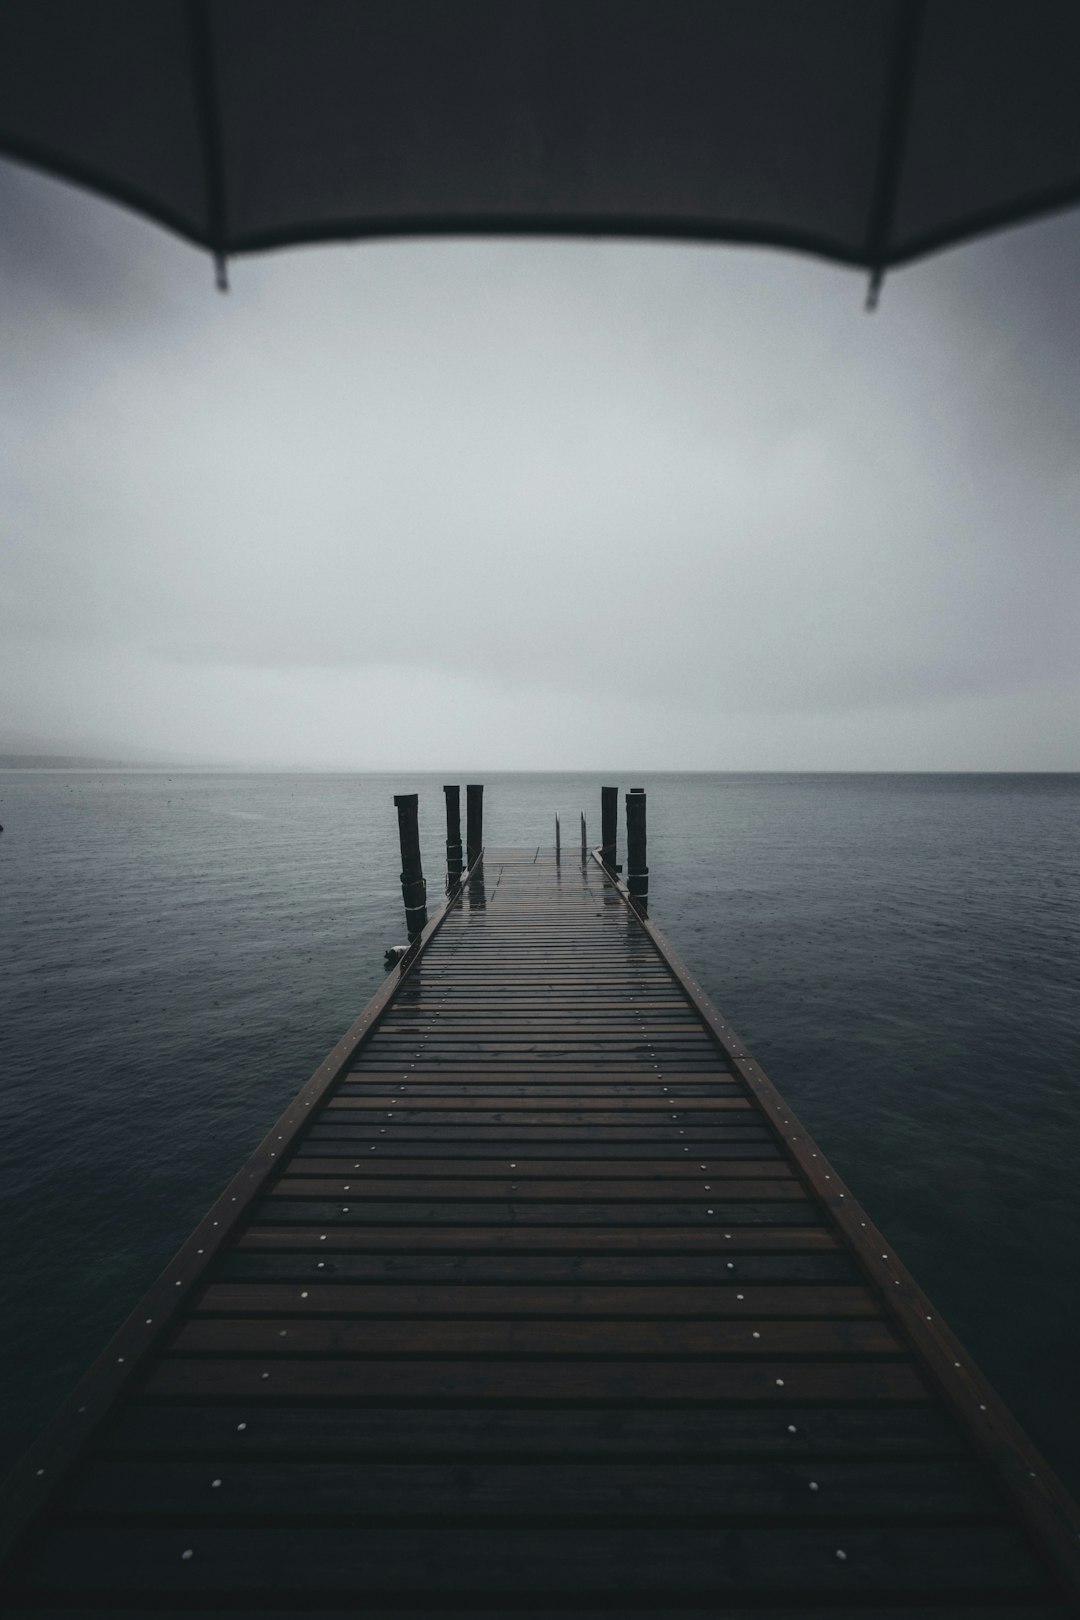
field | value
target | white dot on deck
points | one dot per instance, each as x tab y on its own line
215	1484
841	1554
188	1552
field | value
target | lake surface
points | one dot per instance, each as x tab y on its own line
902	953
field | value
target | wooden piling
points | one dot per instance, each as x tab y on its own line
474	820
584	841
558	842
637	871
413	887
609	826
453	837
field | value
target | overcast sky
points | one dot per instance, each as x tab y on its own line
535	504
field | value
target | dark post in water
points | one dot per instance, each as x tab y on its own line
413	887
584	841
609	826
453	837
637	872
474	820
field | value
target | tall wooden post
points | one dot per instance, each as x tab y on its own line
474	820
609	826
584	841
637	871
413	887
558	842
453	837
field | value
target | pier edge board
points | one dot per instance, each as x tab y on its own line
1046	1509
27	1490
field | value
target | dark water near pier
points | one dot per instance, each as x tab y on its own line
902	953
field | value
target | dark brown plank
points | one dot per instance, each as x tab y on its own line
687	1493
640	1192
763	1337
251	1299
631	1433
522	1212
520	1267
972	1561
732	1241
661	1171
527	1379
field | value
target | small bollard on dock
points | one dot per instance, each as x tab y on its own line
474	821
609	826
637	871
413	887
453	838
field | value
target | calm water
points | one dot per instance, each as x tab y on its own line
901	952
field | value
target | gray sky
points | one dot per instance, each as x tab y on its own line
535	504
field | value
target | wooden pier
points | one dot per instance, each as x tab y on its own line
538	1300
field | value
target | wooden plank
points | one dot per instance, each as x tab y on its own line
306	1263
556	1609
752	1146
687	1493
447	1186
390	1299
630	1433
579	1171
974	1561
342	1128
731	1242
525	1378
523	1212
762	1337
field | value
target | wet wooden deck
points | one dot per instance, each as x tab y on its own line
538	1300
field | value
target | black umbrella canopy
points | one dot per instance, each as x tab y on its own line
869	131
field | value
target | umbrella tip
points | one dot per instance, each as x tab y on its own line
221	272
873	291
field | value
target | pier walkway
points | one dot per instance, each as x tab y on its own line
538	1300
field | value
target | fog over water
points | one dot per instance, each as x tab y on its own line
535	504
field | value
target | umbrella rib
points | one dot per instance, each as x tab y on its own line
895	124
204	74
